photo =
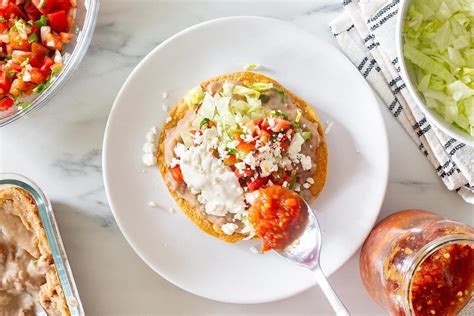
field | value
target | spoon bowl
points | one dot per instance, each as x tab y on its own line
305	251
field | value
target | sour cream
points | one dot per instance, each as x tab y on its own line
216	186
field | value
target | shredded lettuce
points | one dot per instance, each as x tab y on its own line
439	50
261	86
246	92
194	96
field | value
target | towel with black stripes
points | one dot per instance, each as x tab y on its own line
365	32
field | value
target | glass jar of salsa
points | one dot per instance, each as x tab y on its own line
417	263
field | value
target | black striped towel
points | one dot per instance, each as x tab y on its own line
366	33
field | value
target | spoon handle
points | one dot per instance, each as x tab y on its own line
332	297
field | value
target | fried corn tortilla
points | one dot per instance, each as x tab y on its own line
247	79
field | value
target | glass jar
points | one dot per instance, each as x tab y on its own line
417	263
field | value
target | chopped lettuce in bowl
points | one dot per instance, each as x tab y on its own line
436	40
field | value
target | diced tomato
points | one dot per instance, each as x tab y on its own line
48	62
32	12
280	125
19	87
10	10
62	5
39	50
177	174
44	6
6	103
36	62
264	124
257	184
4	83
58	21
4	27
37	76
230	160
284	146
11	69
20	56
279	177
245	147
67	37
54	42
244	173
18	42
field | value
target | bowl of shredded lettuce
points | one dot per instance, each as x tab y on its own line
435	46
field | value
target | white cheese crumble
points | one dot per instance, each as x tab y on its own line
305	162
164	107
150	147
229	228
254	250
168	119
153	204
295	146
164	95
211	179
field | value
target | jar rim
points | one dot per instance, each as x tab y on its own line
422	254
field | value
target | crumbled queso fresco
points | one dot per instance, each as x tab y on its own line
150	148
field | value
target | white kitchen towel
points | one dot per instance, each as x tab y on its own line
366	33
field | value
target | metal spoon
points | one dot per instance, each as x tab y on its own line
305	251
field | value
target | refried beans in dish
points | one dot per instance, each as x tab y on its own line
27	271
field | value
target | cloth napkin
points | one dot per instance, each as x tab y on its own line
365	32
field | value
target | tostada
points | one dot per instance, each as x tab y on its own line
231	136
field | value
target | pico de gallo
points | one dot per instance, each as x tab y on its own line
235	140
277	217
32	37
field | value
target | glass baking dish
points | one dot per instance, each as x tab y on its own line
86	17
54	238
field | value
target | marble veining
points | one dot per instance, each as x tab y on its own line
59	147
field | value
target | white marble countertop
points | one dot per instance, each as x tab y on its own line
59	147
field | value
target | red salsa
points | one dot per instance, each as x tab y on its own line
277	217
444	281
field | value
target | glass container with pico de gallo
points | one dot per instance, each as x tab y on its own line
418	263
33	34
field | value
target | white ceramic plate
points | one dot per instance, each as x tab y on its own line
358	156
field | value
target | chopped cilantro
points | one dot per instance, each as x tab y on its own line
232	151
43	21
306	135
278	113
204	122
2	19
25	62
